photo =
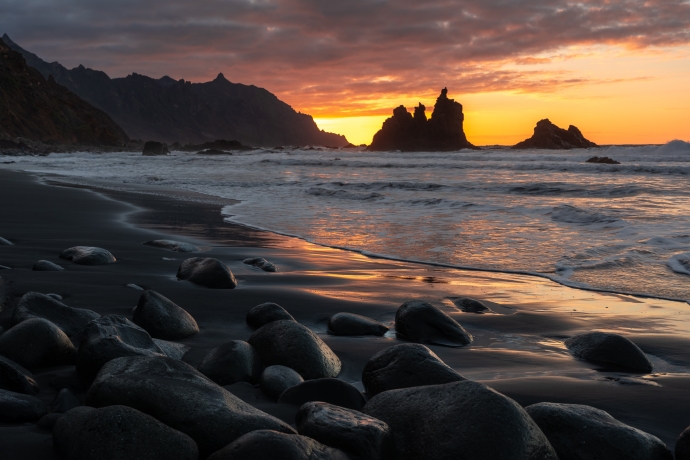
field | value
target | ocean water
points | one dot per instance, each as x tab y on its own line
623	228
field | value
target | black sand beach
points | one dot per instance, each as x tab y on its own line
518	348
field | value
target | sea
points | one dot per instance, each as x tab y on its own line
621	228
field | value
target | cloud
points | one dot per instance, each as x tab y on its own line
341	55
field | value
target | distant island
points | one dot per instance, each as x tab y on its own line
442	132
549	136
168	110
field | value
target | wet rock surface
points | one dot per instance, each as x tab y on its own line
119	433
580	432
87	255
468	419
232	362
37	343
172	245
293	345
15	378
37	305
422	322
207	272
602	347
345	429
162	318
471	305
47	266
19	408
181	397
276	379
329	390
260	262
265	313
404	366
266	444
349	324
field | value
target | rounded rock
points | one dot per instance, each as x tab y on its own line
293	345
36	305
87	255
47	266
36	343
20	408
349	324
260	262
682	451
345	429
267	444
422	322
276	379
162	318
207	272
265	313
172	245
465	419
15	378
580	432
118	433
332	391
608	348
64	401
470	305
404	366
232	362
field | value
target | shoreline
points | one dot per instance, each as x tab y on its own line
518	348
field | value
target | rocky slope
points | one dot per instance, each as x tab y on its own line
549	136
37	109
442	132
167	110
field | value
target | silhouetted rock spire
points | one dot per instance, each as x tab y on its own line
442	132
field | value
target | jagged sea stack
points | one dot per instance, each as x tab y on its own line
442	132
549	136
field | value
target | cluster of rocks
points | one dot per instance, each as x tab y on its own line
144	402
603	160
549	136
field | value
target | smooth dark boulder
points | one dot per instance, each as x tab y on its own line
276	379
64	401
260	262
422	322
15	378
153	148
603	160
20	408
293	345
118	433
110	337
682	451
172	349
36	343
265	313
349	324
207	272
470	305
442	132
270	445
458	420
162	318
87	255
4	242
36	305
580	432
609	348
549	136
172	245
55	296
348	430
232	362
181	397
404	366
47	266
329	390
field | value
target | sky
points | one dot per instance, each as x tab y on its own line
617	69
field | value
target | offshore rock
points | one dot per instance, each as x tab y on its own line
153	148
181	397
442	132
549	136
603	160
580	432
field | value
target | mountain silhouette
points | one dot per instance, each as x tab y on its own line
169	110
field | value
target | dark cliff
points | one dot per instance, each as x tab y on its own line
442	132
549	136
167	110
37	109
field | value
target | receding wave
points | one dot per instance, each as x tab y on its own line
556	189
680	263
342	194
574	215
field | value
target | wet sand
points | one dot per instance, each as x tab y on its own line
518	349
